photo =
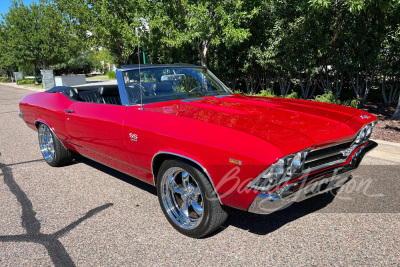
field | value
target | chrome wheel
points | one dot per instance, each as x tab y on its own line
182	198
46	142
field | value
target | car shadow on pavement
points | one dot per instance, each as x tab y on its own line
265	224
254	223
117	174
32	226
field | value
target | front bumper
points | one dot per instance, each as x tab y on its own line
310	185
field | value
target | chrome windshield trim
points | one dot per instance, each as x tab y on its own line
121	88
221	96
191	99
190	159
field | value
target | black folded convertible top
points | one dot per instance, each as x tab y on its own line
57	89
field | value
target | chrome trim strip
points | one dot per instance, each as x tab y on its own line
266	204
191	99
352	147
190	159
323	166
323	156
352	140
221	96
336	144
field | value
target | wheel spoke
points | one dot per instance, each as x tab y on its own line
185	208
185	179
197	191
197	208
46	143
181	196
174	186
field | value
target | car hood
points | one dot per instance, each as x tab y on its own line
273	119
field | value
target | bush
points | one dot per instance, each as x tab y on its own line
293	95
28	81
5	80
327	98
269	93
111	75
351	103
331	98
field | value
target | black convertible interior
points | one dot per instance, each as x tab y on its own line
104	94
152	92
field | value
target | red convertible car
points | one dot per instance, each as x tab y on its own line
178	127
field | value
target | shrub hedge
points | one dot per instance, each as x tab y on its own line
111	75
28	81
5	80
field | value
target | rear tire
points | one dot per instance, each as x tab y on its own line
188	200
53	151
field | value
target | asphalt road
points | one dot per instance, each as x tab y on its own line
86	214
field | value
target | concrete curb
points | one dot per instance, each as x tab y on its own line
386	151
387	143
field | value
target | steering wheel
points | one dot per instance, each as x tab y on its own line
141	89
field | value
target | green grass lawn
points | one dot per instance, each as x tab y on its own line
38	86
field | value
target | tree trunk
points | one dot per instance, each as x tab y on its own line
202	47
35	73
396	115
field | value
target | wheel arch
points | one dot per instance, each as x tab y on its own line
39	121
162	156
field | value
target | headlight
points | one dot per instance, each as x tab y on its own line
298	161
279	172
362	136
365	133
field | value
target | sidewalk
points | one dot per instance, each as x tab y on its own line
26	87
386	150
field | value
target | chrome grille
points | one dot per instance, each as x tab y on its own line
326	156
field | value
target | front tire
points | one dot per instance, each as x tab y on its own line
53	151
188	200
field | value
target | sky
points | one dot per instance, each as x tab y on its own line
4	4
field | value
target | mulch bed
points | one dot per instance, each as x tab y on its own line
386	129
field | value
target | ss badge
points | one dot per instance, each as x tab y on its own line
133	137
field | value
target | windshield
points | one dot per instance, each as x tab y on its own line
170	83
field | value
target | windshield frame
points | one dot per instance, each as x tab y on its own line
223	90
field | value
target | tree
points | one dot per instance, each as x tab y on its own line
37	35
107	24
7	62
202	24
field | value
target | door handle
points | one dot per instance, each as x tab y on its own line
69	111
